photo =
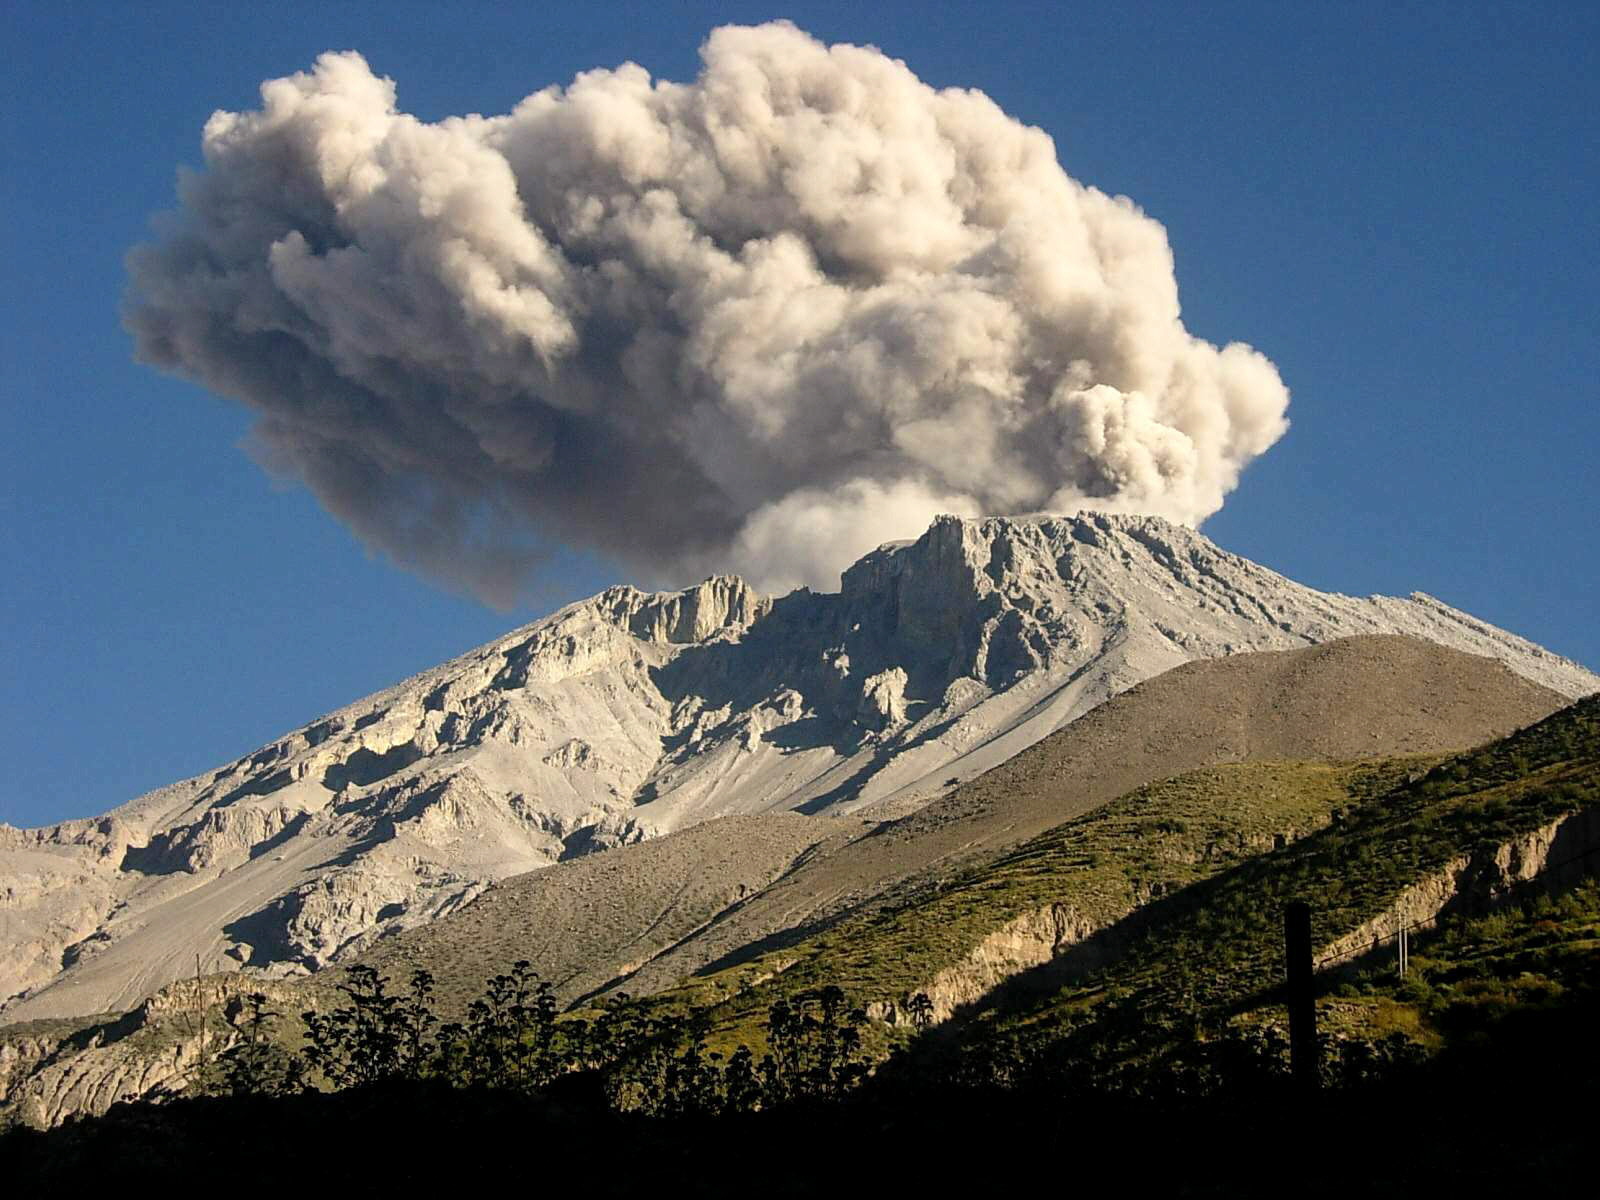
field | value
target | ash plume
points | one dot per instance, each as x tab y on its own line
758	322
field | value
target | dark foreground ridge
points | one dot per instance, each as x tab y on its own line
1489	1118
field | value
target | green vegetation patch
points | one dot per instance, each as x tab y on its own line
1150	844
1470	975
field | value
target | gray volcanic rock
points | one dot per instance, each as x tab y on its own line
632	715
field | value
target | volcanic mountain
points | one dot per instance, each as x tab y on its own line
633	715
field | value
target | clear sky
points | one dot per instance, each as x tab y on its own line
1392	201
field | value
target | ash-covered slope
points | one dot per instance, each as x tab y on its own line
630	715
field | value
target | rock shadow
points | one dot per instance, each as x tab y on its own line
366	767
263	786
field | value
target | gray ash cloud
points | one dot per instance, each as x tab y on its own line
759	322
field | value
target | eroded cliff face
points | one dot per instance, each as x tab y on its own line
67	1069
1026	941
634	714
1557	852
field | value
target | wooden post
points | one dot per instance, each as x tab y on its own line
1302	999
199	1005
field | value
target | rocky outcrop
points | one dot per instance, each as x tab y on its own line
222	837
46	1077
1024	942
22	1053
883	699
724	604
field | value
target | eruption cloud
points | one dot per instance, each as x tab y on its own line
760	322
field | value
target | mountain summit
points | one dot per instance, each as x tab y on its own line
633	714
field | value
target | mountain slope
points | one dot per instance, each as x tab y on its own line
1455	842
1171	896
588	922
631	715
599	920
1348	699
642	916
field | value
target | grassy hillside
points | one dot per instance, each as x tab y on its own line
1092	872
1204	963
1180	887
1352	699
1474	980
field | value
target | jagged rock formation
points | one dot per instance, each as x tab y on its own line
631	715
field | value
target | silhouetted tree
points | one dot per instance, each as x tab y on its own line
378	1035
921	1009
816	1047
257	1065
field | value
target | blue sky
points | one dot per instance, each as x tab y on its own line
1392	201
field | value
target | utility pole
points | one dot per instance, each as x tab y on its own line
1303	1064
1402	939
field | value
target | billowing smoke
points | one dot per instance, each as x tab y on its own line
759	322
